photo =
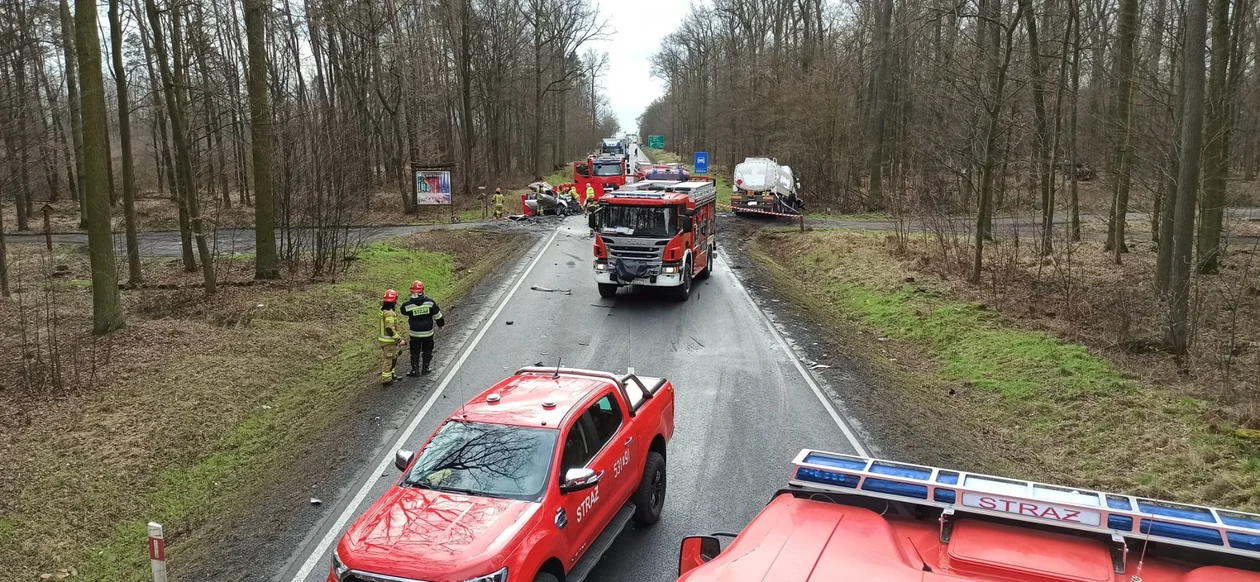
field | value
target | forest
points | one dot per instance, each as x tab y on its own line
939	110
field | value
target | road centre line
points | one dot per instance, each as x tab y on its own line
317	556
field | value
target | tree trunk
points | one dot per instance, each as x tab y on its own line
997	82
1121	124
1178	337
107	313
4	259
76	115
134	275
175	106
1167	218
879	115
1043	130
1072	142
266	265
1215	163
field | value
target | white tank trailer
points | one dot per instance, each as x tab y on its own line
762	185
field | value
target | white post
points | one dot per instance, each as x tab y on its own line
157	552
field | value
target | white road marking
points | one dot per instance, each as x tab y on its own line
335	531
796	361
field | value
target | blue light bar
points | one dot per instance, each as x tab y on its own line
1111	514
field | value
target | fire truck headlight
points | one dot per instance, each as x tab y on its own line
601	266
670	270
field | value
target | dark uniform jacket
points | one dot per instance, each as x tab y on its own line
422	312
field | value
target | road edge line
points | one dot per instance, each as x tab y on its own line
335	530
840	421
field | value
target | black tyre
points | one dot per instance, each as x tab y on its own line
708	264
607	290
545	577
683	292
649	499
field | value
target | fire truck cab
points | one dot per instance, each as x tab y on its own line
655	237
852	518
601	172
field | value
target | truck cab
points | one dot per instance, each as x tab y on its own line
532	480
602	173
652	237
844	517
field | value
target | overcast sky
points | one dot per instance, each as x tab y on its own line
637	27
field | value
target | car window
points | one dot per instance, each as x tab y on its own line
487	460
605	416
577	449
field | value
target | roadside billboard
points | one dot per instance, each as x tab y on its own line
433	187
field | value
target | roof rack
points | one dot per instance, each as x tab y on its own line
960	492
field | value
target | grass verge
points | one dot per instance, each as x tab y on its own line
1057	411
200	404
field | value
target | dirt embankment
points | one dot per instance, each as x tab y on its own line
196	408
1050	370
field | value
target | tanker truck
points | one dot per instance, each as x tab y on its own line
761	185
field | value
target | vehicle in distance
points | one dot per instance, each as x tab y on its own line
602	173
874	520
656	235
762	185
532	480
613	147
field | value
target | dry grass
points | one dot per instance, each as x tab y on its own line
176	417
1054	358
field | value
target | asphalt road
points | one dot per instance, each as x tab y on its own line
745	405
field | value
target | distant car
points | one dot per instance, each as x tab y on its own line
532	480
852	518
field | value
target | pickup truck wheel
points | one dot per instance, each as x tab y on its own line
545	577
650	497
607	290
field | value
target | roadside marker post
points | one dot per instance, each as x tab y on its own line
157	552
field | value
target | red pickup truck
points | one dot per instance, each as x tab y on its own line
858	519
532	480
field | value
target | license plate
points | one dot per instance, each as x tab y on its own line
752	202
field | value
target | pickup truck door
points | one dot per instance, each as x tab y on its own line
589	444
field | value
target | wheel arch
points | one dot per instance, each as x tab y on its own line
552	566
658	446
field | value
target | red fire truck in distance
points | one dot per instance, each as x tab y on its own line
601	172
656	237
531	481
858	519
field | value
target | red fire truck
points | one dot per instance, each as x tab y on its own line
844	517
600	172
655	237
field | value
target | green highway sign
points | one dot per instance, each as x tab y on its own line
656	142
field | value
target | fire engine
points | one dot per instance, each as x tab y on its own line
845	517
657	237
601	172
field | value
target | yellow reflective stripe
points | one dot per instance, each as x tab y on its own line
438	316
422	333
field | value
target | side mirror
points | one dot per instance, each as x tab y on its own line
696	551
579	479
686	223
402	459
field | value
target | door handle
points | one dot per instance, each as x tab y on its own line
629	440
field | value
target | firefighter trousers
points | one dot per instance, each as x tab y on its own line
498	211
389	361
421	346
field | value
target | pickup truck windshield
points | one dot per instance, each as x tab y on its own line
640	220
489	460
607	169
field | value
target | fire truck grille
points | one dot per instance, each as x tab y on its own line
635	248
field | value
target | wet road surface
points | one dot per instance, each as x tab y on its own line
745	405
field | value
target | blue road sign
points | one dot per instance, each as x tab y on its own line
702	162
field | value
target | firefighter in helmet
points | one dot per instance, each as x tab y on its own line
498	203
423	315
389	337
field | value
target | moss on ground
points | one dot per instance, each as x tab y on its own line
233	412
1074	416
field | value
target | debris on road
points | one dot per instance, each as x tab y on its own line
315	501
549	290
511	322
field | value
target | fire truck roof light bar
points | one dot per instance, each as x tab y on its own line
1204	528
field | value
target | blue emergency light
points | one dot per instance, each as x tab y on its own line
960	492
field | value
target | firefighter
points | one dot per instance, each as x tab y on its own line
588	197
422	313
389	338
592	215
498	204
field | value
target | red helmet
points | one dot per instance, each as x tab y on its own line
497	190
417	287
391	295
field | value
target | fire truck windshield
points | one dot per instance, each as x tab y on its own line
640	220
607	169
